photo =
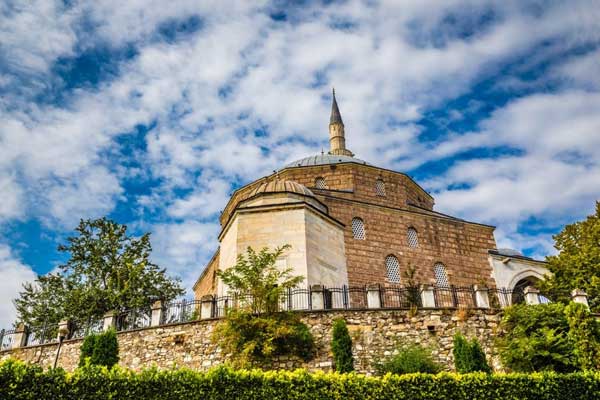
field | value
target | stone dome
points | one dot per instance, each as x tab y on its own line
282	186
324	159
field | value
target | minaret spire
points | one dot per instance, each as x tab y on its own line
337	136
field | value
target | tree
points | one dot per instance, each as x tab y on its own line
584	332
100	349
106	349
536	338
469	356
107	270
257	282
341	347
87	348
577	265
253	330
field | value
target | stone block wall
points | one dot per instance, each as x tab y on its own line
460	245
376	335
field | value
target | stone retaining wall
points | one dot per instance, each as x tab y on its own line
375	335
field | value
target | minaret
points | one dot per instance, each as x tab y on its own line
337	138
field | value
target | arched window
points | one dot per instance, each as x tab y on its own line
412	237
441	276
320	183
392	269
380	187
358	228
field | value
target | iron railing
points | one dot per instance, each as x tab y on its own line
135	318
296	299
7	338
181	311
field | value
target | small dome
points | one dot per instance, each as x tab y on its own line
324	159
282	186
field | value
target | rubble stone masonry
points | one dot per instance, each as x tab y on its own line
376	334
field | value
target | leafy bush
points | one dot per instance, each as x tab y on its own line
106	349
469	356
254	331
19	382
410	359
341	347
87	349
584	333
256	338
535	338
100	349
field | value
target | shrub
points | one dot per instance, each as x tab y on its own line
19	382
252	339
469	356
106	349
87	349
535	338
341	346
585	336
410	359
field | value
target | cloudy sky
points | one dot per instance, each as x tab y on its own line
152	113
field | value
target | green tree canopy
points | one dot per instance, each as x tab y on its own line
107	270
256	279
577	265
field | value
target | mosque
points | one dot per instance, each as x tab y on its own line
353	223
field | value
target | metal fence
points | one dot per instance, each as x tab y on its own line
181	311
7	338
296	299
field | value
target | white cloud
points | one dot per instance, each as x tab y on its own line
11	205
206	96
555	178
184	248
209	198
14	273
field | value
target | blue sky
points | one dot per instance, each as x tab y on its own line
153	114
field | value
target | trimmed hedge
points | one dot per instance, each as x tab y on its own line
20	381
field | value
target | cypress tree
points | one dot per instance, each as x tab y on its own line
469	356
341	346
106	349
87	348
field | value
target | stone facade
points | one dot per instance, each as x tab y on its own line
390	204
512	269
350	192
274	219
375	334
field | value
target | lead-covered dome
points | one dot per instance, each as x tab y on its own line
282	186
324	159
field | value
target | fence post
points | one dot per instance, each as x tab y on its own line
157	313
317	297
63	329
373	296
482	297
20	336
532	295
427	296
580	296
110	320
206	306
